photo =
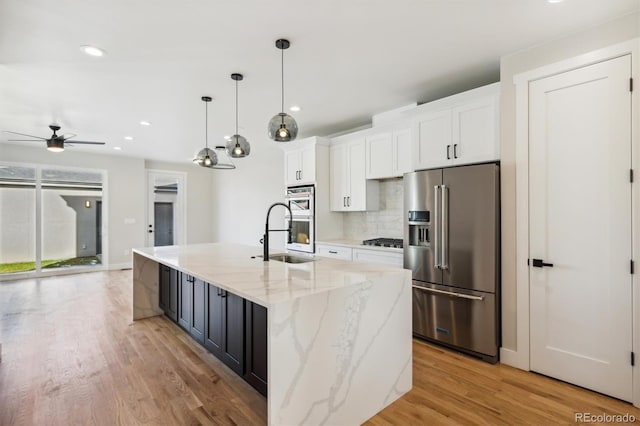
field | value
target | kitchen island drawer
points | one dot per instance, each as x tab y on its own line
335	252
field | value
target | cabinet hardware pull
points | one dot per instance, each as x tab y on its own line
448	152
455	150
333	252
300	171
348	201
448	293
344	201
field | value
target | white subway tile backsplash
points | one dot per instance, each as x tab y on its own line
386	222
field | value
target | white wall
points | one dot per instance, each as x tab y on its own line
619	30
200	221
242	196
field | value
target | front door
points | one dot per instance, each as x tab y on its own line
580	223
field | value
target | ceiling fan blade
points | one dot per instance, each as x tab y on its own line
23	140
68	136
24	134
85	142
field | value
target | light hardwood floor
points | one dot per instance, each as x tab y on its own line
71	356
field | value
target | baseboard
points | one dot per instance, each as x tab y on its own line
514	359
118	266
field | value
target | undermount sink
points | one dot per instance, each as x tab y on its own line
287	258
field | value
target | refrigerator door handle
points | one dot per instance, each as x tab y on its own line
448	293
436	231
444	221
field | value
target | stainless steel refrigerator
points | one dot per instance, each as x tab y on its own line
452	245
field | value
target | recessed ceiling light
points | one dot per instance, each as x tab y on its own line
554	1
129	138
92	50
228	137
295	108
117	148
145	123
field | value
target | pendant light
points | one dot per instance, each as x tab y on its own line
224	161
206	157
283	127
238	146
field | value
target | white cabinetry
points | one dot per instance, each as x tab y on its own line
388	154
378	256
358	253
460	129
350	190
300	165
334	252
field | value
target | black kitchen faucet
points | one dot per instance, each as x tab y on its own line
265	238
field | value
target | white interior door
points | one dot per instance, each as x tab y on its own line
166	188
580	221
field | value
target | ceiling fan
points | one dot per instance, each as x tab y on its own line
56	142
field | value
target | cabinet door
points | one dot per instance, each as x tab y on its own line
434	145
357	184
197	326
184	302
401	152
213	326
379	153
172	308
307	165
169	291
233	331
256	347
292	166
164	281
475	132
338	177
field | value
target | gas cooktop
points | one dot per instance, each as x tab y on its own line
383	242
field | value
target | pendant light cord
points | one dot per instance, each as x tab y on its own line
282	76
236	108
206	125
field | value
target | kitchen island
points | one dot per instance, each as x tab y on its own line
338	333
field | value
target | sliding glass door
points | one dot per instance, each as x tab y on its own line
50	218
17	219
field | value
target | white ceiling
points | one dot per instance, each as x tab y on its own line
348	59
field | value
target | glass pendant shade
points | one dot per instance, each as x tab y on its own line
224	161
283	128
238	147
206	158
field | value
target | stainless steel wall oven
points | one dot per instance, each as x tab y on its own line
301	200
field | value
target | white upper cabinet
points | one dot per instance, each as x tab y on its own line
475	131
460	129
300	163
388	154
350	190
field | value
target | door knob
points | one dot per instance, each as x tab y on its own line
538	263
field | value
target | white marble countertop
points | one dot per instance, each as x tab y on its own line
231	267
359	245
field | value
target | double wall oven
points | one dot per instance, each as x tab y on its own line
301	201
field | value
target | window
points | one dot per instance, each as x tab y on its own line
50	218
